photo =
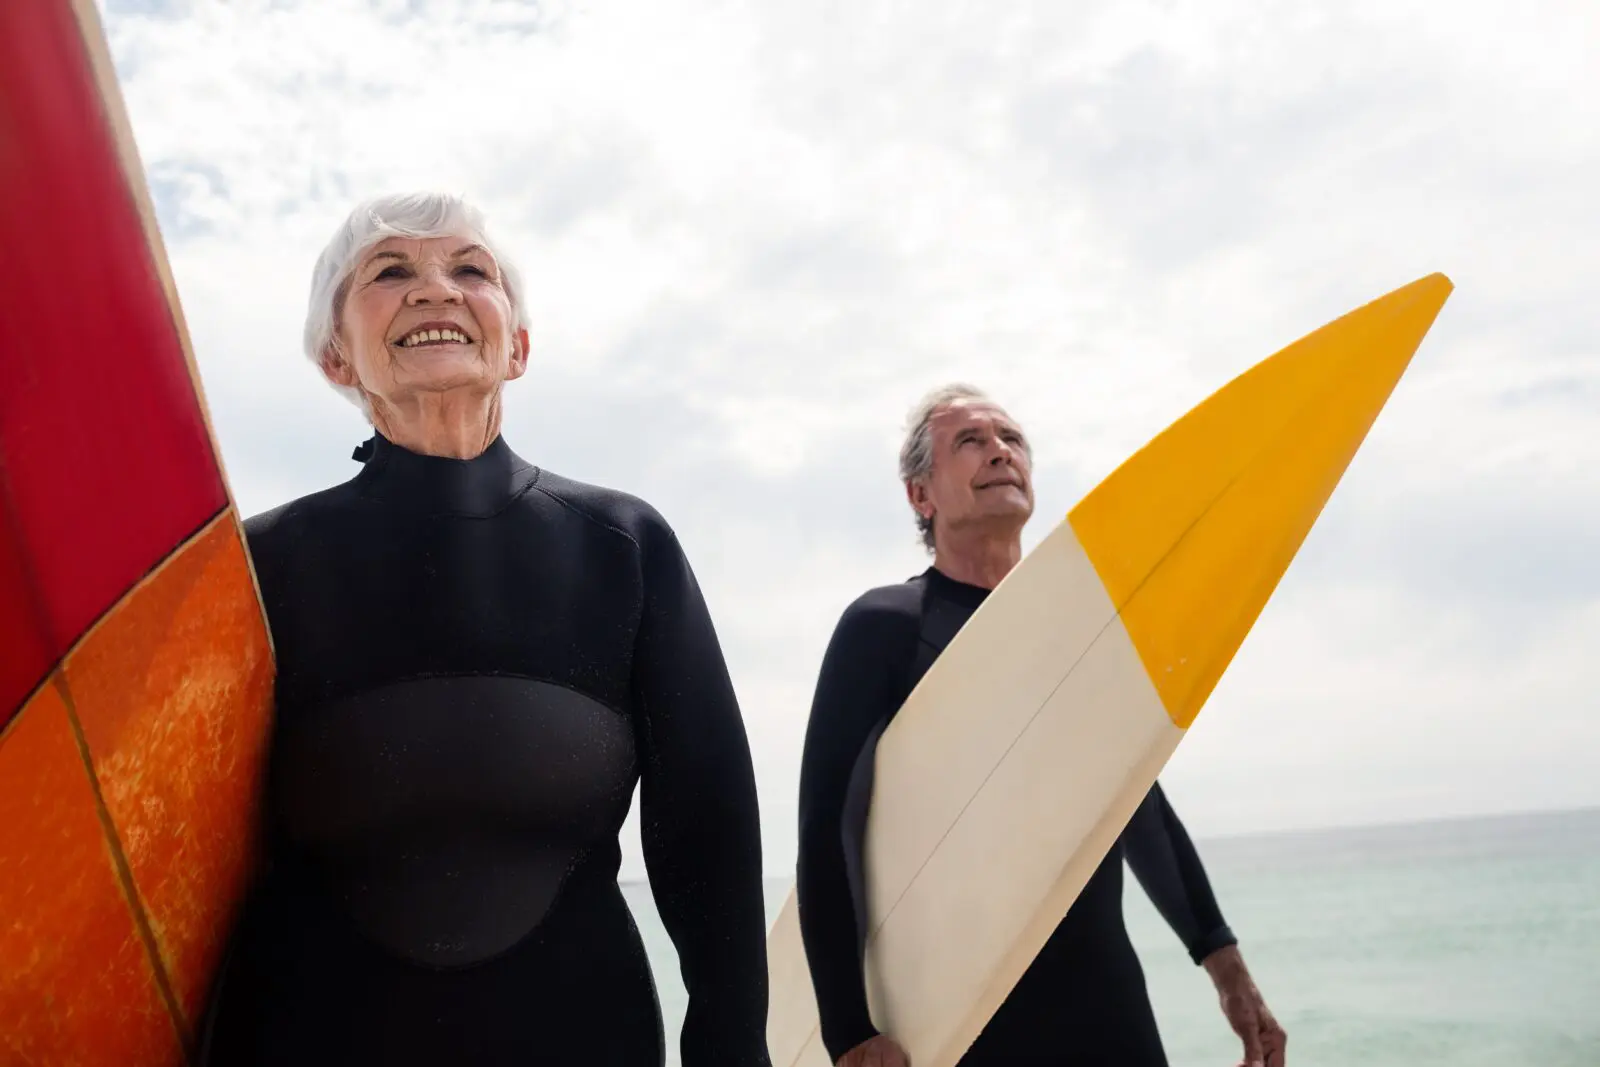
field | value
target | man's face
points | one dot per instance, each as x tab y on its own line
982	474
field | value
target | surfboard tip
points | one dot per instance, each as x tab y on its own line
1192	534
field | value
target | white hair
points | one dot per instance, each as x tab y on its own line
415	215
916	453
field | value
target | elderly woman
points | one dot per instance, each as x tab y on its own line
478	660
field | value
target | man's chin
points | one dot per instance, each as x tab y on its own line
1010	513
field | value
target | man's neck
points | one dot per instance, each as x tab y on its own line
455	425
977	560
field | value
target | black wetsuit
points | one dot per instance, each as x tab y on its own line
478	660
1083	1000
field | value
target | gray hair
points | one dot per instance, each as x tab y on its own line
916	453
416	215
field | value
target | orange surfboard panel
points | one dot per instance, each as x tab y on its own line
173	690
78	987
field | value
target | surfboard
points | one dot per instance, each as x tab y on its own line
1072	685
135	666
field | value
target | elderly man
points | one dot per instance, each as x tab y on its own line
967	470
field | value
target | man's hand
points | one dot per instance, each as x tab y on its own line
880	1051
1245	1010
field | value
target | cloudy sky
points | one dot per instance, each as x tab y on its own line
755	232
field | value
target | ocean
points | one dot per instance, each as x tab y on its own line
1469	943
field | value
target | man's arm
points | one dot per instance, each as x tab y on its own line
856	690
1164	860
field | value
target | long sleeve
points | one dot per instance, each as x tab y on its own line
1164	860
699	818
857	688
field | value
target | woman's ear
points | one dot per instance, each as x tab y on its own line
519	354
334	368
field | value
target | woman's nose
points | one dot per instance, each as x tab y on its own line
433	287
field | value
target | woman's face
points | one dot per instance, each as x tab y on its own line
426	315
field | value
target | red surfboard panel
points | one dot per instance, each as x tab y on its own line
25	655
104	451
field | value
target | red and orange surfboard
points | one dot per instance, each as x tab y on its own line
135	665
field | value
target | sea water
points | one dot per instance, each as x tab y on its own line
1466	943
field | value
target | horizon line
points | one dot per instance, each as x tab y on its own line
1313	830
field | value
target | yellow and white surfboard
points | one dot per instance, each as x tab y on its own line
1072	685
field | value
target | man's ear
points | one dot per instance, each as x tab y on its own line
917	495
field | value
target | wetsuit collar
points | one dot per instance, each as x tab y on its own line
969	596
440	485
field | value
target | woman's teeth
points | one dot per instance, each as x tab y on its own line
423	337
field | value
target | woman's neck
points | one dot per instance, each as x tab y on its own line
450	424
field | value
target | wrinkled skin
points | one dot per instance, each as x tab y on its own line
441	397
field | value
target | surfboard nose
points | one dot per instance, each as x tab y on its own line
1192	533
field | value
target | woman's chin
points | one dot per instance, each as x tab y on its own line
443	377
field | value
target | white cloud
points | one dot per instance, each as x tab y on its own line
754	233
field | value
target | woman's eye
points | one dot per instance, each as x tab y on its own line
470	269
391	272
